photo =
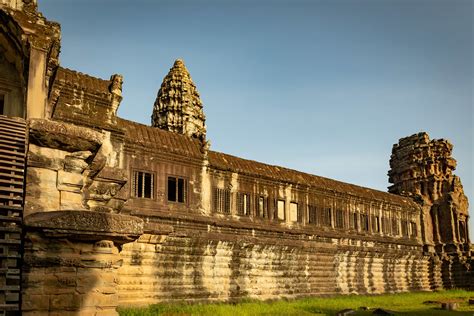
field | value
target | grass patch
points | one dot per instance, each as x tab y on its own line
401	304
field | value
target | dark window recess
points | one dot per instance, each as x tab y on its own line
353	220
375	223
386	227
413	227
405	228
462	231
312	214
243	203
2	104
176	189
261	206
364	222
395	229
221	200
339	219
143	185
327	217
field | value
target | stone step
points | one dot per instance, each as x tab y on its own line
12	162
9	307
16	219
12	136
4	170
12	146
15	153
13	129
11	229
4	189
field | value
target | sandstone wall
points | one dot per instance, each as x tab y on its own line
64	277
198	262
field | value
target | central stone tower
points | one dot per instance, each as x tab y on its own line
178	107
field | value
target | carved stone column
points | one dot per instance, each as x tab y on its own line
71	259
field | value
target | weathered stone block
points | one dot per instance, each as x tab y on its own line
35	302
64	136
99	300
41	191
71	201
69	181
65	302
115	204
43	157
106	312
76	165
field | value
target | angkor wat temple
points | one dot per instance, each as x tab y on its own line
99	212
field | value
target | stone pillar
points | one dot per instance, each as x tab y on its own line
37	90
71	260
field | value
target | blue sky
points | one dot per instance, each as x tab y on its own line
325	87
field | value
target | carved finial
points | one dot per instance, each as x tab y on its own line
115	88
178	63
116	84
178	107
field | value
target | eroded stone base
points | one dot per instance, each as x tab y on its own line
193	265
69	277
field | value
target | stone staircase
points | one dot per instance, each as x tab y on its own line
12	171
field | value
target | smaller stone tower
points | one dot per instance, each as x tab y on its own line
423	169
178	107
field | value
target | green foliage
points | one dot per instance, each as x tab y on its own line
402	303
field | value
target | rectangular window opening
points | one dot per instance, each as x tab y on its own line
364	222
281	210
261	206
395	227
181	191
143	185
294	212
243	203
221	200
312	215
352	220
339	219
414	231
177	189
404	228
327	217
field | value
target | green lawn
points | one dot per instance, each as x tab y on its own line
401	304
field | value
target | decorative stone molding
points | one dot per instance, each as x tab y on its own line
86	225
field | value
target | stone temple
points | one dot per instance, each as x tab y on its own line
97	211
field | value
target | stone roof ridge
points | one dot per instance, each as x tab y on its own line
279	173
155	138
147	136
80	79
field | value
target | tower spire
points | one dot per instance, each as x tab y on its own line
178	107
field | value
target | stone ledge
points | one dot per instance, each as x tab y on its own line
86	225
64	136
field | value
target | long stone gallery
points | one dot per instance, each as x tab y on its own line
98	211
